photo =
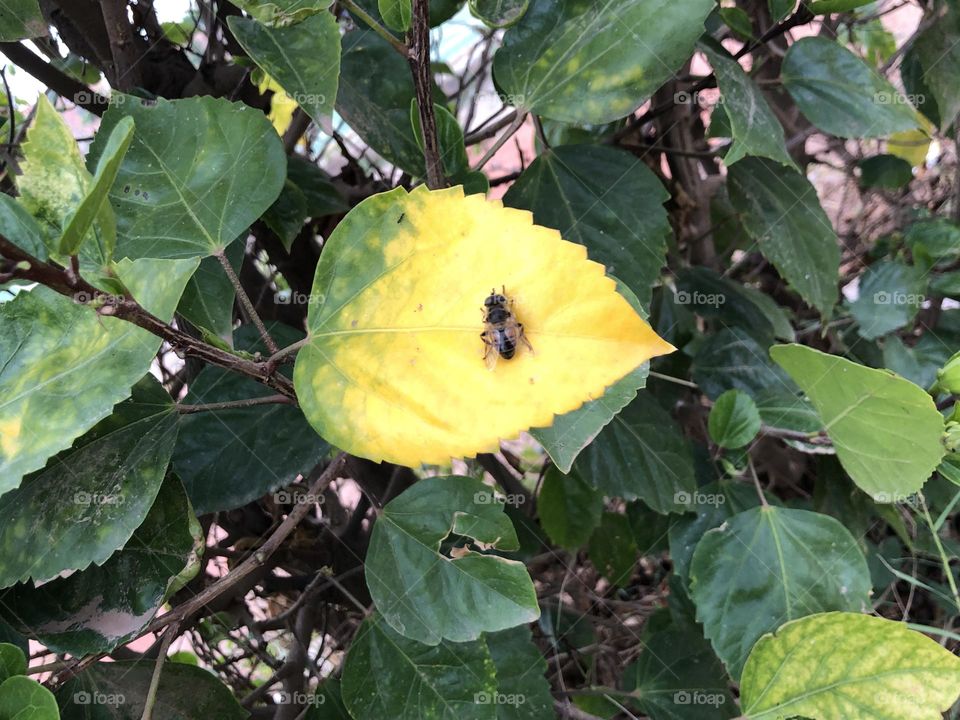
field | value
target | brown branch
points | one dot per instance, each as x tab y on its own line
61	83
124	68
22	265
418	40
246	303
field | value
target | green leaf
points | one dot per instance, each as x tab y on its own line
63	367
886	430
21	19
100	608
198	172
207	300
523	692
453	152
891	294
714	504
939	237
317	188
887	172
12	661
19	227
24	699
640	454
287	214
679	677
780	210
823	7
92	206
571	432
755	129
767	565
54	182
118	691
605	199
397	14
574	65
937	51
499	13
734	420
569	508
779	9
711	295
283	13
732	359
304	58
387	675
268	446
738	20
114	473
426	594
374	98
841	94
613	550
844	666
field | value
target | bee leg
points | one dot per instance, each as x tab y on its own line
522	336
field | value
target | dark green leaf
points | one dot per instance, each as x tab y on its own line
523	692
24	699
640	454
387	675
118	691
937	51
303	58
572	63
207	300
19	227
569	508
939	237
287	215
431	596
840	94
198	172
12	661
613	550
267	446
99	608
780	209
891	293
887	172
605	199
732	360
768	565
321	195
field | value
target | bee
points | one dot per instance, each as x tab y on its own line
502	332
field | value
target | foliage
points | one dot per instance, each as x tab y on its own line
271	444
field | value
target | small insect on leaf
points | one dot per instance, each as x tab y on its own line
403	315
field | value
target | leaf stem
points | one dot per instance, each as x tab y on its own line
943	555
246	303
151	698
379	29
675	380
756	482
507	134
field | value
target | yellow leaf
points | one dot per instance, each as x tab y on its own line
281	104
911	145
393	364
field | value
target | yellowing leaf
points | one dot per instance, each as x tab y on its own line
393	367
282	104
911	145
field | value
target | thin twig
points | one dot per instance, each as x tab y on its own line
418	40
756	482
151	698
507	134
247	305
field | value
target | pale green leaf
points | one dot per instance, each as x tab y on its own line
499	13
845	666
24	699
20	20
885	429
397	14
734	420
